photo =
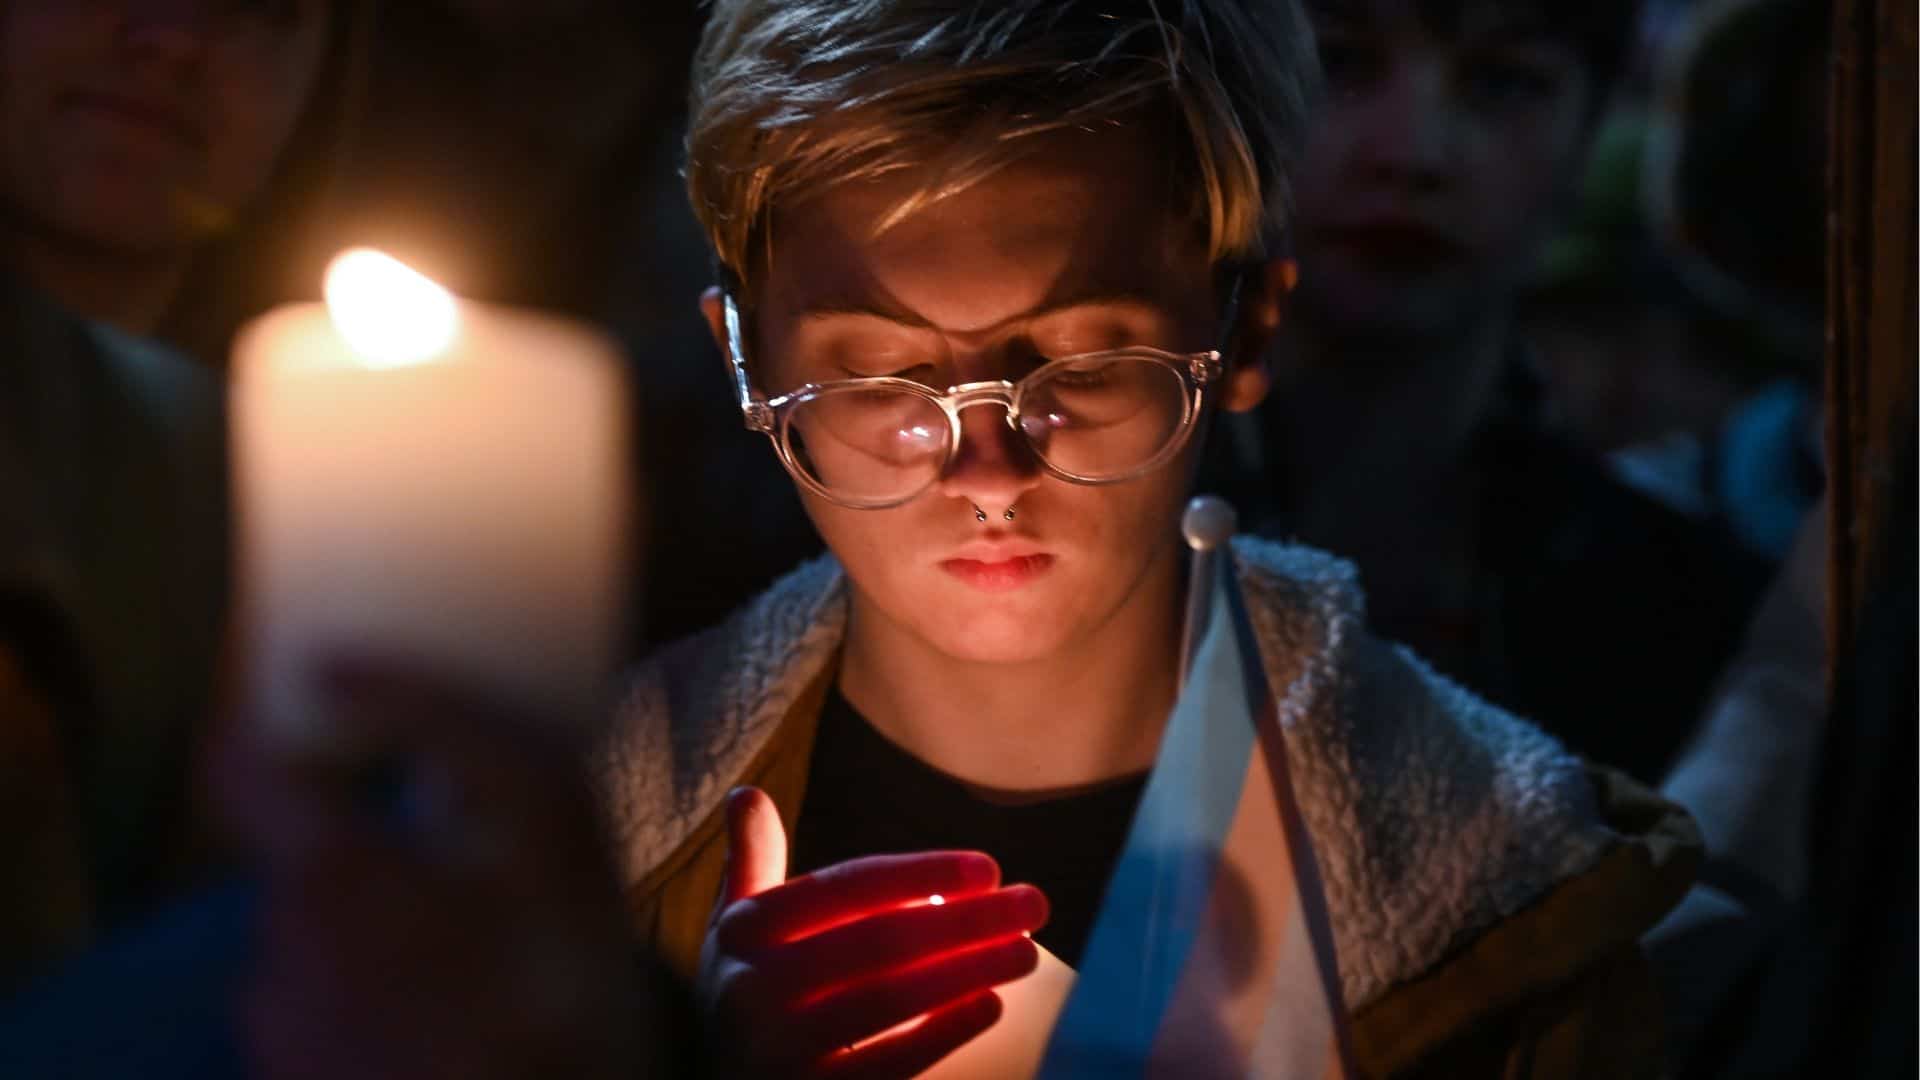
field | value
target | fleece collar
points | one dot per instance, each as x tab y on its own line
1433	814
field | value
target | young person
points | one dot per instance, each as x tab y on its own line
986	272
1408	430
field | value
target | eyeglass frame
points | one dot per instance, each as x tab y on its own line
770	416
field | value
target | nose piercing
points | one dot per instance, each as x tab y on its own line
981	515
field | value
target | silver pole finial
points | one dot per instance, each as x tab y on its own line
1208	524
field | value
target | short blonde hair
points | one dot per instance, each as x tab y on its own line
792	97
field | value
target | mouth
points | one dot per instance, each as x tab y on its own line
999	574
131	111
1396	244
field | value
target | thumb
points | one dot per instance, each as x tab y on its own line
756	844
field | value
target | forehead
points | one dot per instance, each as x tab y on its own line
1085	213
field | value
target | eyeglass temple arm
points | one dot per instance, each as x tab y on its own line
756	413
1231	320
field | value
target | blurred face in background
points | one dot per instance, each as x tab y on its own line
1448	145
138	127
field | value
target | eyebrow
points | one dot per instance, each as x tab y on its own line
859	308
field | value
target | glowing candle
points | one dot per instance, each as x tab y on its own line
1013	1047
427	479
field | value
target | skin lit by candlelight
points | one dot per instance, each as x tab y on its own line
389	313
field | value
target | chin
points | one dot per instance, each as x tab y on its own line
997	638
126	225
1010	628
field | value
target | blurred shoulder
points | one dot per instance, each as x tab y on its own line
1436	816
695	712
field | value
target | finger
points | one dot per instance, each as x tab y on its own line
756	844
467	775
901	938
878	1005
852	890
283	811
918	1049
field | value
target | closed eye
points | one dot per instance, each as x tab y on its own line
922	373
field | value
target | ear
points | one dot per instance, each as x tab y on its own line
1263	305
713	309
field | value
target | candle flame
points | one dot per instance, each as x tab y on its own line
389	313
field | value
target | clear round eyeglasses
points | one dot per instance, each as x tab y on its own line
871	443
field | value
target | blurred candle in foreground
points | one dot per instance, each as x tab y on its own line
431	481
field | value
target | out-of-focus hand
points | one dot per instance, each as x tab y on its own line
809	977
450	910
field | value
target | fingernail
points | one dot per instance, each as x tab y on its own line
978	870
1033	904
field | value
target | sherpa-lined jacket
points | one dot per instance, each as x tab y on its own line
1487	889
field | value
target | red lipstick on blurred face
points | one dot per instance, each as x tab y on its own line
158	117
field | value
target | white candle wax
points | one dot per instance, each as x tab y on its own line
1012	1048
439	482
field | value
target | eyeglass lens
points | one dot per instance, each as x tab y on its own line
1095	418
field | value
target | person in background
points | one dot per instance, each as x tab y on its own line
438	902
1067	211
144	147
1741	137
1408	430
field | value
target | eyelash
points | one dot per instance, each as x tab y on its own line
903	373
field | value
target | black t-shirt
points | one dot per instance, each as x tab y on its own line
867	796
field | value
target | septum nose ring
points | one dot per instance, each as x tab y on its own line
981	515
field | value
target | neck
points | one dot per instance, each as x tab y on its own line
131	293
1091	712
1388	422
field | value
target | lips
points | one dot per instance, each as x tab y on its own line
993	574
158	119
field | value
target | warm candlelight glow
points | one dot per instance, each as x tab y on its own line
389	313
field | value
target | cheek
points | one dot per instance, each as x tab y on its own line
37	48
43	45
1326	150
1523	169
260	94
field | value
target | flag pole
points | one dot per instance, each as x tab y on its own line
1207	525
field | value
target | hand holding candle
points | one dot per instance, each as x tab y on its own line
812	977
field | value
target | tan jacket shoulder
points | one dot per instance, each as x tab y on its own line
1487	890
1561	989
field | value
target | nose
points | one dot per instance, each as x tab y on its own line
1405	131
175	29
993	466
